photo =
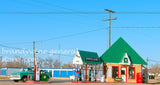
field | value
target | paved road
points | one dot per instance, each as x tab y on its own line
68	82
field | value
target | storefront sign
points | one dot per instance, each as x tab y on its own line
91	59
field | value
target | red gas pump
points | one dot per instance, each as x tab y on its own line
139	78
36	76
36	72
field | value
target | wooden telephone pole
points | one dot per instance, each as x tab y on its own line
110	11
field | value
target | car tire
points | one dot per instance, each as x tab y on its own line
15	80
24	79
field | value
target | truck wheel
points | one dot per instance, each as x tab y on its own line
15	80
47	78
24	79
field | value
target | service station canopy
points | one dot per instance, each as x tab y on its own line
86	57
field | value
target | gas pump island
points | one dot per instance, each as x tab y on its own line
86	65
39	76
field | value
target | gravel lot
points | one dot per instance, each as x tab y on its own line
68	82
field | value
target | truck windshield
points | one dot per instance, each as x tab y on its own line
26	69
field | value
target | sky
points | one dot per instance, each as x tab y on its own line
21	28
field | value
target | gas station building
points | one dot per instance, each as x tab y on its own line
122	63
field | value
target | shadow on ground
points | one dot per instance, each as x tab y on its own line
154	83
60	81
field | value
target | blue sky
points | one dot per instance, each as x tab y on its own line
28	27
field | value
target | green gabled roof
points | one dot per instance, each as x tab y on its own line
116	52
88	54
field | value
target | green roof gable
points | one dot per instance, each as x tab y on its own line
116	52
91	55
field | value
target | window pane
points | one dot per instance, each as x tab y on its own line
131	73
114	72
122	72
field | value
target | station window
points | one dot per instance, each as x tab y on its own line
125	60
131	73
114	72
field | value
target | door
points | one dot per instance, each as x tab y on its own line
63	73
70	73
123	74
56	74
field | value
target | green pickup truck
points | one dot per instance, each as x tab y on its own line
23	74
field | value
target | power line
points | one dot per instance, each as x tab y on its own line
138	12
60	37
30	4
60	54
136	27
49	4
65	36
53	5
24	12
72	35
49	9
153	60
12	47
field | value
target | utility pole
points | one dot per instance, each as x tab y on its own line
34	51
110	11
147	71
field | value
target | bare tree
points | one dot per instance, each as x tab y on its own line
57	64
1	63
69	65
17	62
48	63
41	62
155	69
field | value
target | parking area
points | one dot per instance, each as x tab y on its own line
64	81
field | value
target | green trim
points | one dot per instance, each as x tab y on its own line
122	56
93	57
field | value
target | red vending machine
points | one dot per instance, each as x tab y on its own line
139	78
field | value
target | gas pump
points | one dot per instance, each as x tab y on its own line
81	76
36	72
91	74
39	76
